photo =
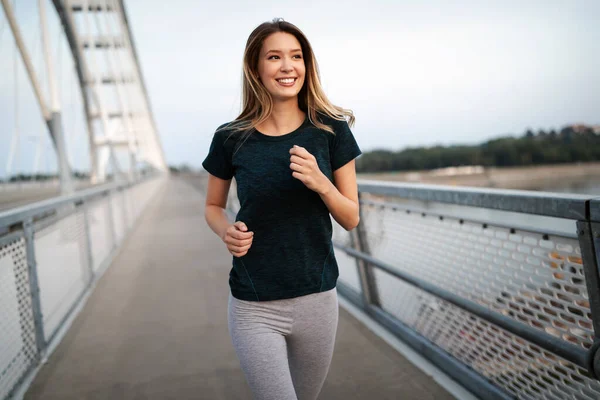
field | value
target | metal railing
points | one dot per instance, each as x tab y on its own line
498	288
51	255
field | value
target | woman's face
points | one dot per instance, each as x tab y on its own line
281	65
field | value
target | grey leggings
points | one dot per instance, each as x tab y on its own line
285	346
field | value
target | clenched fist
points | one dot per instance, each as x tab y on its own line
305	168
238	239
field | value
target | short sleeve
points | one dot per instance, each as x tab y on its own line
218	161
345	148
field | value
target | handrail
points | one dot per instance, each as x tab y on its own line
19	214
571	206
483	221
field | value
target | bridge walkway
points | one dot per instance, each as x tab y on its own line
155	326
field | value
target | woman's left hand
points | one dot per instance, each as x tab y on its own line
307	170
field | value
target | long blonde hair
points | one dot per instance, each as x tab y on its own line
257	102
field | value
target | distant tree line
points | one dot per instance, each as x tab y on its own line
42	177
183	168
78	175
576	143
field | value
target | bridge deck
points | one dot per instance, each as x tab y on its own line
156	326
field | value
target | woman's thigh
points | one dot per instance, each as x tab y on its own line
310	346
258	332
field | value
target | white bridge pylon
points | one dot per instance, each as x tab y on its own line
121	131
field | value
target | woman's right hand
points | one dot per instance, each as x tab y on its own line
238	239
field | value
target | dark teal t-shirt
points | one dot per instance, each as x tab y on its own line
291	253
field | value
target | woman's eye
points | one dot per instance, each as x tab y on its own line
297	56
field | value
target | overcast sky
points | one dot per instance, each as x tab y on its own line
414	73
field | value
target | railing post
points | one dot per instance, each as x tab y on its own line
366	275
596	241
34	288
88	241
125	215
111	218
589	243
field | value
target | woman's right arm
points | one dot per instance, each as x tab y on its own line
236	236
216	202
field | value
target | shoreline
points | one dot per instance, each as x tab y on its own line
541	177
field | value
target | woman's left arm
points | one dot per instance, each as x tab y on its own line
340	198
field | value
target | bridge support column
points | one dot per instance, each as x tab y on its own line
58	137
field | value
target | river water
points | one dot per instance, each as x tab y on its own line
591	186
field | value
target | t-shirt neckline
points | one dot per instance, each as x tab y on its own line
286	136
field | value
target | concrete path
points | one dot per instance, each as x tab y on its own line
156	325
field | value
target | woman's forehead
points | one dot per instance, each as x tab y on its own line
281	42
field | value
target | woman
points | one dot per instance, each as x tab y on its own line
292	154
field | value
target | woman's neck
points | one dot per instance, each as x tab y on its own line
285	117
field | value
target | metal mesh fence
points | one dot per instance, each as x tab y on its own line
520	367
127	206
118	213
534	278
100	230
18	352
62	268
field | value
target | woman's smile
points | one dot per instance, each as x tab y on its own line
287	82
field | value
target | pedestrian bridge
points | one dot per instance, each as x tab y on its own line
120	292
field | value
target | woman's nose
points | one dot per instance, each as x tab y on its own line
286	65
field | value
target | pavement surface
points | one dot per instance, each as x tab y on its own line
155	326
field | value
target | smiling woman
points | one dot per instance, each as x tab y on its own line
281	65
292	154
